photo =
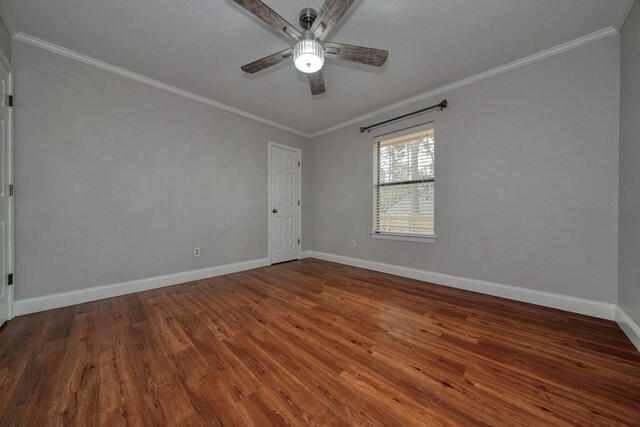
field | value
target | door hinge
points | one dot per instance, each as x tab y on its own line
10	189
10	100
298	202
10	279
298	241
298	164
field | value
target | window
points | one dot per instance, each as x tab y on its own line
404	184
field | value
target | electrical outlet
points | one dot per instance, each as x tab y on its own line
353	243
196	251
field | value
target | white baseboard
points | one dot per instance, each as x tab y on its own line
628	326
48	302
547	299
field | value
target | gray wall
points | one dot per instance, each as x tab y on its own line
629	270
526	180
119	180
5	40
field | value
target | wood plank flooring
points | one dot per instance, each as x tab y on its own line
315	343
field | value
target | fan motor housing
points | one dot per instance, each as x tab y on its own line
307	17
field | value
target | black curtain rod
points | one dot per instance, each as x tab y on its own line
440	107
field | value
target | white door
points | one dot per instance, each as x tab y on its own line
6	295
284	197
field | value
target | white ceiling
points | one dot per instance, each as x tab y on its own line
199	46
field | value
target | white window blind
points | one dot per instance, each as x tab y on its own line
404	183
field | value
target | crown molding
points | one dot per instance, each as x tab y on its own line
590	38
624	13
8	21
34	41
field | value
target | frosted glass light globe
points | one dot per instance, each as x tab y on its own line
308	55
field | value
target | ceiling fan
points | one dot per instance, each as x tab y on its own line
310	49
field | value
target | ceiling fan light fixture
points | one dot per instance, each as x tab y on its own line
308	55
309	52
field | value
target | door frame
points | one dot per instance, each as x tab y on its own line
10	231
270	145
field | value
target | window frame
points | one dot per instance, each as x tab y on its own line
406	237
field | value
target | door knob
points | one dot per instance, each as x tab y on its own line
275	211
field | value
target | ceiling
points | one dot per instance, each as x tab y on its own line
199	46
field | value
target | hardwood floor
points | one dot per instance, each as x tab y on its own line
315	343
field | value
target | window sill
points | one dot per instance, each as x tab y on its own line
404	238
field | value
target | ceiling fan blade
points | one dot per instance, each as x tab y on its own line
363	55
316	81
328	17
264	12
267	61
